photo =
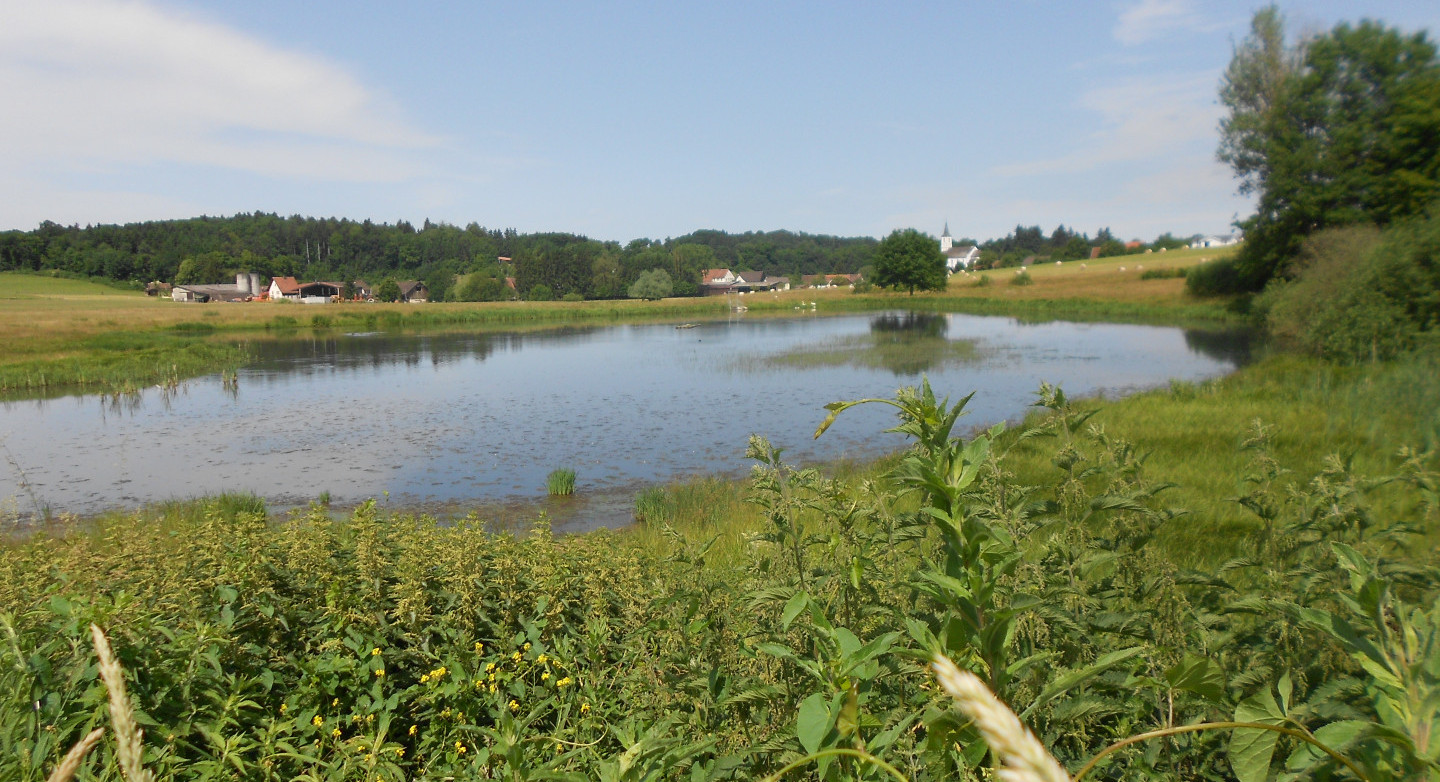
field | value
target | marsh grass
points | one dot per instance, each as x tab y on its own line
560	482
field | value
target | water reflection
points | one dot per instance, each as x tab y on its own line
464	418
1234	346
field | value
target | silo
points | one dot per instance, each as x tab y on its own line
255	288
242	281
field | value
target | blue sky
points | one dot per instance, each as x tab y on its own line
629	120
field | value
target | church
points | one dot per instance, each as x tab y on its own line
957	258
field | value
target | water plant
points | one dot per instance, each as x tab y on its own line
560	482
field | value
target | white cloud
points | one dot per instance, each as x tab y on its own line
1148	20
103	85
1147	118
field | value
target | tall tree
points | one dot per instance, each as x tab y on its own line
910	259
1336	130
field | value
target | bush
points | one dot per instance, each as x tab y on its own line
1164	274
322	322
572	296
1022	277
541	292
652	285
1360	294
981	281
1216	278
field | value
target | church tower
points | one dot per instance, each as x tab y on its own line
946	242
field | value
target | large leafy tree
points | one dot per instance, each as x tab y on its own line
1335	130
910	259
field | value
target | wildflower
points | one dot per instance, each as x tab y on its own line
375	652
335	732
516	657
479	683
479	647
318	721
412	729
369	757
544	676
460	748
335	702
541	659
514	706
492	689
565	682
445	713
439	671
369	718
459	716
284	707
399	752
489	667
526	647
424	677
584	708
379	671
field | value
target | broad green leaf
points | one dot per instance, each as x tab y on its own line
1251	748
793	608
1198	675
813	722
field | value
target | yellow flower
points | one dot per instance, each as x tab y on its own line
379	671
460	748
445	713
541	659
544	676
335	732
375	652
399	752
584	708
335	702
492	689
489	667
318	721
424	677
459	716
412	729
369	718
526	647
564	682
514	706
369	757
439	671
284	707
479	683
479	647
516	657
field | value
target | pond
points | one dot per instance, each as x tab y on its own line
457	421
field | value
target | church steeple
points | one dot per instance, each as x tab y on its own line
945	241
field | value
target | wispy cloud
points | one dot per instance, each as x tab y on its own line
1143	118
1148	20
100	85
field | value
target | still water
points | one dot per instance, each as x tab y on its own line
456	420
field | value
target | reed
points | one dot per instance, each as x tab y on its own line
560	482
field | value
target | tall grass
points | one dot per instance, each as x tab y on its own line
560	482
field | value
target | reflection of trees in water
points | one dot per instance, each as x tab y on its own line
1235	346
339	352
910	324
911	343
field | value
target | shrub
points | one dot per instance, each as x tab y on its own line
572	296
652	285
1216	278
1164	274
322	322
981	281
1022	277
541	292
561	482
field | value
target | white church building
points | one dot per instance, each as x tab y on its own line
957	258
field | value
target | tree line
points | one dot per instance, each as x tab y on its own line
467	264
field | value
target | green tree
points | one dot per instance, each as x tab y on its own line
654	284
1333	131
389	291
205	269
910	259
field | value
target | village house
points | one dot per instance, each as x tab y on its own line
414	292
718	282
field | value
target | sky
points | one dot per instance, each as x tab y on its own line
625	120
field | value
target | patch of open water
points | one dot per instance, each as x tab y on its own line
456	421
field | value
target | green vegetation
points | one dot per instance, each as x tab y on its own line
907	260
1337	129
560	482
652	285
1022	277
1053	561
